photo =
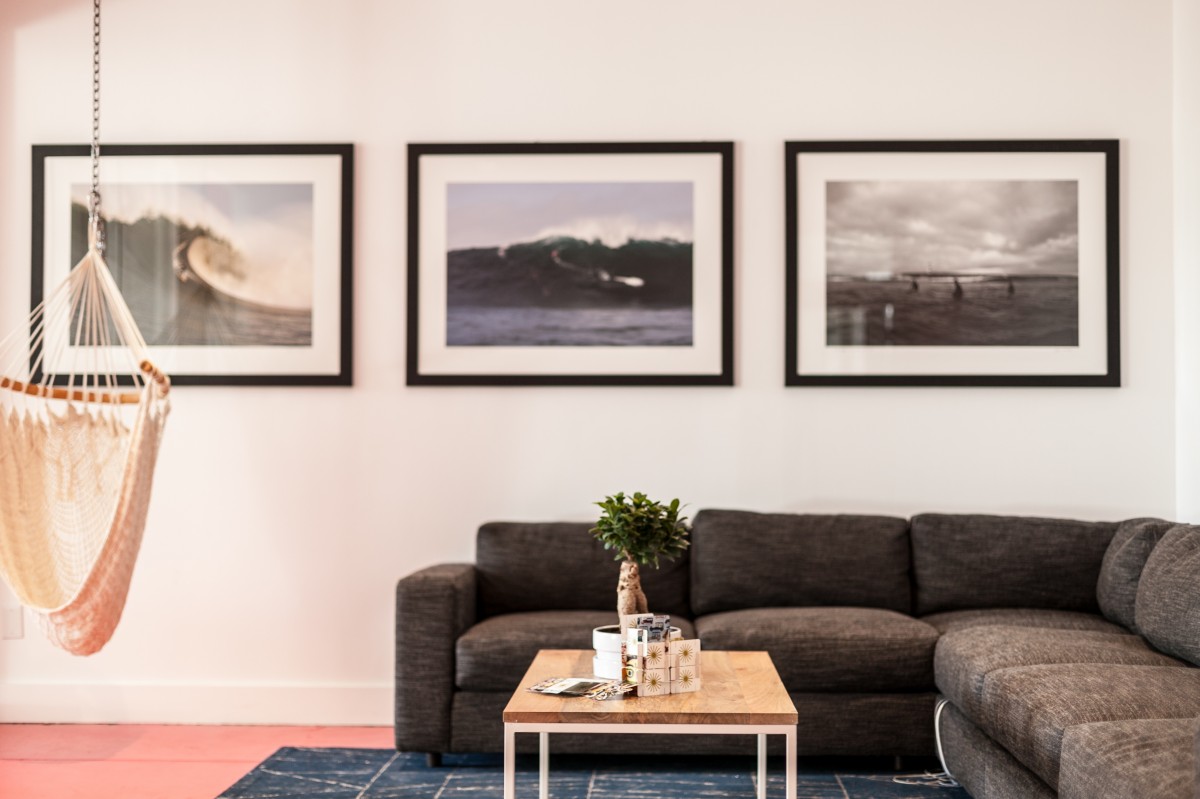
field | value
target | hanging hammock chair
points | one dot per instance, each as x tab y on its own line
82	409
77	455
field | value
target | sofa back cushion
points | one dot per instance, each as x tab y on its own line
756	560
561	566
1168	597
962	562
1116	590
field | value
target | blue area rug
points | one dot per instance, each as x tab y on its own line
384	774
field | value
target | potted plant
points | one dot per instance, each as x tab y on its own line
639	531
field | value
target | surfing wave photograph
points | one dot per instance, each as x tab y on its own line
569	264
952	263
209	264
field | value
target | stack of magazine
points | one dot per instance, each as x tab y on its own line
590	687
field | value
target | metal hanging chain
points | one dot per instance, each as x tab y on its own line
94	220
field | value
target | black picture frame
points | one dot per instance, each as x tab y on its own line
820	197
309	348
433	360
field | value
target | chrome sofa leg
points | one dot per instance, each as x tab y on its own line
941	780
937	735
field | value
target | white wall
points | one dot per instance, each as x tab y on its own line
1187	258
283	517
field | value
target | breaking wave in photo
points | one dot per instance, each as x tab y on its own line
563	291
181	283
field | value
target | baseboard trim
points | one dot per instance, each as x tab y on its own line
182	703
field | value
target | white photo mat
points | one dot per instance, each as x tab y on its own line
320	359
813	171
704	171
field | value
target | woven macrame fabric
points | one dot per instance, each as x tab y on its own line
77	453
74	492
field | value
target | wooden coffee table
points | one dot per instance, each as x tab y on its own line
740	694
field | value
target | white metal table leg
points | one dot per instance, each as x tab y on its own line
762	766
510	763
790	763
544	765
760	732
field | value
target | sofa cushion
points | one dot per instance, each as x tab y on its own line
1021	617
1120	759
495	654
561	566
1168	598
750	560
1027	709
1116	590
831	649
965	658
981	766
970	561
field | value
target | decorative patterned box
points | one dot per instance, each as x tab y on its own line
654	683
631	621
686	652
659	667
685	680
654	654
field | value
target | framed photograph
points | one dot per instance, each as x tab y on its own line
952	263
570	264
234	259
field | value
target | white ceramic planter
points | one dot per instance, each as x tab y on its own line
606	641
607	638
606	668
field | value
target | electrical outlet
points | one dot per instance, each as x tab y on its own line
14	623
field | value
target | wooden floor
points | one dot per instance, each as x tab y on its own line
134	761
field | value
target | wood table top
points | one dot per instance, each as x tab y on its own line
735	688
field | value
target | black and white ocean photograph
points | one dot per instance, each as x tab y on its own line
209	264
952	263
584	264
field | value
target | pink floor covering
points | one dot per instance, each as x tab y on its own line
139	761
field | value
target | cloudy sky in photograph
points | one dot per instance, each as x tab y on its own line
1002	226
500	214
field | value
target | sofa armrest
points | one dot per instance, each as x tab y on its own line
434	606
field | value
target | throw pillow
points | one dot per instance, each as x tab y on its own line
1116	590
1168	598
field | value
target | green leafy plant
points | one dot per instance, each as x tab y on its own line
639	531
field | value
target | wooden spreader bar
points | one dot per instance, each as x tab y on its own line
77	395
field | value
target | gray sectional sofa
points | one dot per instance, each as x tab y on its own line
1065	651
1080	704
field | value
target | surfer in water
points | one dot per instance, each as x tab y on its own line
958	292
602	276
